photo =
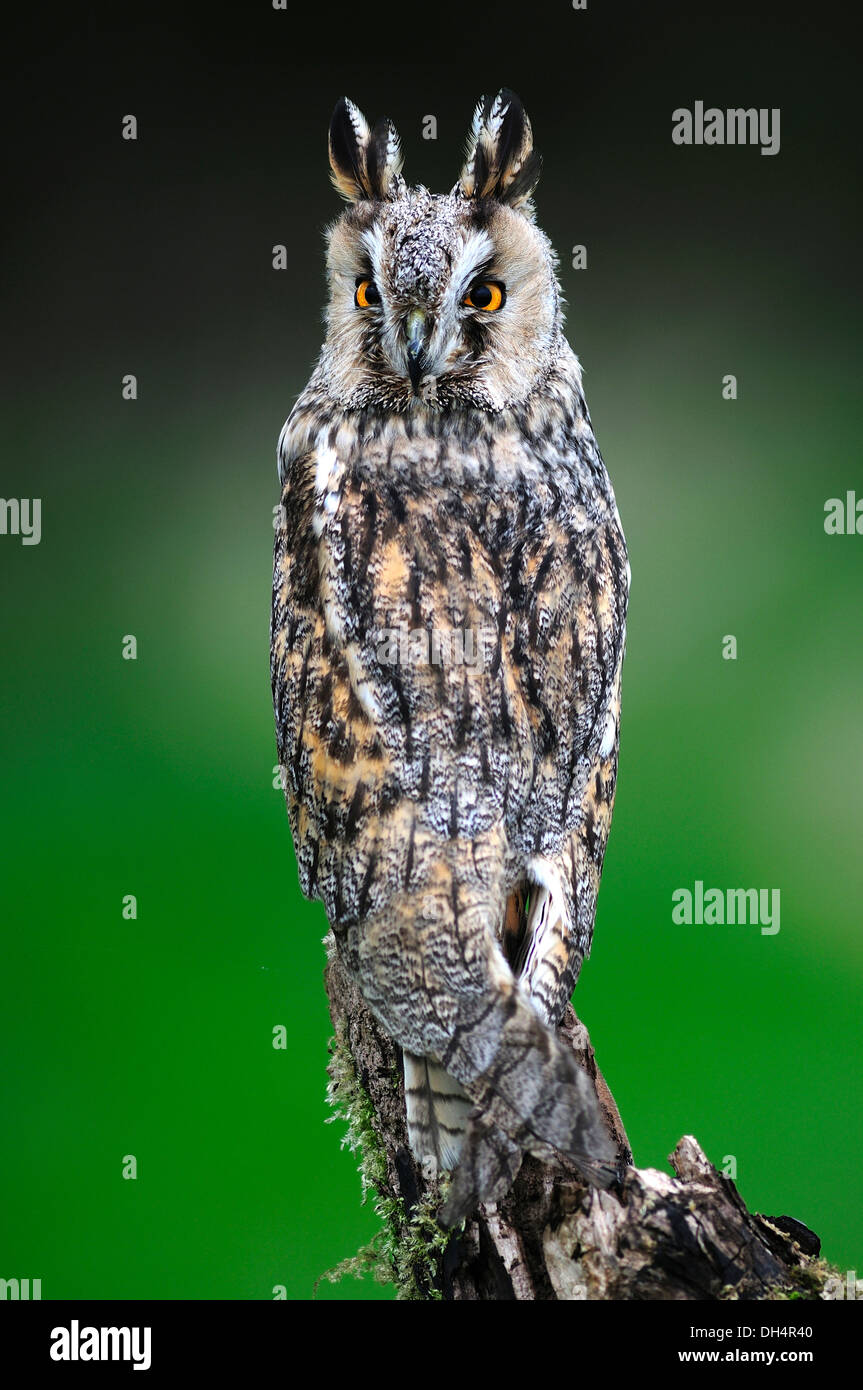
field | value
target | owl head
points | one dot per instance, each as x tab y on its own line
438	301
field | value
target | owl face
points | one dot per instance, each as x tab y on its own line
438	301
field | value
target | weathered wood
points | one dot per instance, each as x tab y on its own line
653	1237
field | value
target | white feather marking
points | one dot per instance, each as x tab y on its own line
468	179
493	125
360	682
281	452
328	477
373	241
542	871
620	528
325	466
437	1111
394	156
609	737
476	250
476	123
358	121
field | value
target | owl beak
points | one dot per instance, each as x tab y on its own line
416	341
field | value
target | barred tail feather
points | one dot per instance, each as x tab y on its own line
477	1054
437	1113
531	1092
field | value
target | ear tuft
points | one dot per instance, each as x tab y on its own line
364	163
384	160
500	161
349	138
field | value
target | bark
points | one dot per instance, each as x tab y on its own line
653	1237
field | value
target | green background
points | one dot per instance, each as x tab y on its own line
155	777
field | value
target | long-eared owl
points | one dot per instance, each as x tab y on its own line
449	605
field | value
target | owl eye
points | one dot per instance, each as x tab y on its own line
485	294
367	294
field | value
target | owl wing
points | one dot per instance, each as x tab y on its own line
401	724
570	633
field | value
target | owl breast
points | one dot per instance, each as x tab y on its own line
454	630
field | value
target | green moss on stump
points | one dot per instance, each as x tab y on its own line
406	1251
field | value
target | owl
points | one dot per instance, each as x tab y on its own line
449	602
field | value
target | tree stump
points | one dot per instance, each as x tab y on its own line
653	1236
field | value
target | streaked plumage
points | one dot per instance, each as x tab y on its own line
440	473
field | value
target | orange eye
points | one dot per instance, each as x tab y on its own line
367	294
485	294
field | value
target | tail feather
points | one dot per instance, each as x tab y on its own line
490	1162
489	1165
437	1113
531	1095
473	1039
530	1086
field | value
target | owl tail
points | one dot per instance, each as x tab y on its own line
489	1164
437	1114
447	1132
530	1095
